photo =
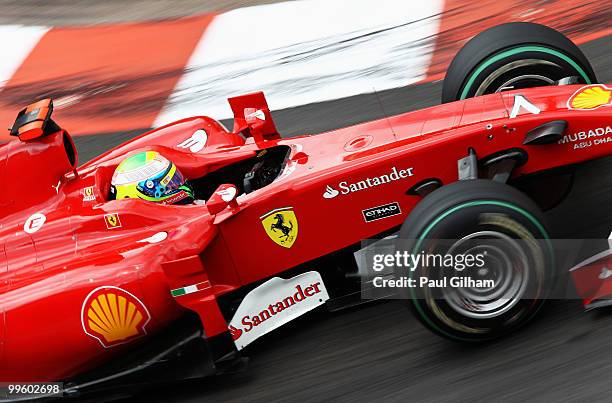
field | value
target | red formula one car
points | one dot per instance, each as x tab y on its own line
95	290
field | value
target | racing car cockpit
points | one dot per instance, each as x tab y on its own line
208	155
258	168
244	157
247	175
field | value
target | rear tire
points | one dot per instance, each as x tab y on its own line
514	56
490	218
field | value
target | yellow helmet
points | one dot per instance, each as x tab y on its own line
150	176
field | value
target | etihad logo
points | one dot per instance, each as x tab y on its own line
113	316
590	97
345	187
380	212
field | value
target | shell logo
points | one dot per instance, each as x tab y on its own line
590	97
113	316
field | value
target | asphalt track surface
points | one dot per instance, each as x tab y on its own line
380	352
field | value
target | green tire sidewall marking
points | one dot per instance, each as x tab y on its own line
423	235
515	51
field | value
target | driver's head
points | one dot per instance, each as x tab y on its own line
150	176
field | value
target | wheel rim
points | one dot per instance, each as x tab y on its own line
506	265
525	81
419	307
512	52
522	80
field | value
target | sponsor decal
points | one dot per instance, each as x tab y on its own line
176	198
345	187
590	97
236	333
196	142
157	238
113	316
190	289
605	273
258	114
228	194
330	192
520	102
88	194
112	221
34	223
56	187
275	303
588	138
380	212
281	225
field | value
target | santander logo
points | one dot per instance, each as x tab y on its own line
330	192
275	303
236	333
251	321
346	187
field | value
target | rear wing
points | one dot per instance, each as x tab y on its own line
252	117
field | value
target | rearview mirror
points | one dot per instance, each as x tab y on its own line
252	117
224	196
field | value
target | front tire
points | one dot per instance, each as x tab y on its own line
514	56
495	221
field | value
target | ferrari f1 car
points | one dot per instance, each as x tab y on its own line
95	290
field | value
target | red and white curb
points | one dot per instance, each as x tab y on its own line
302	52
112	78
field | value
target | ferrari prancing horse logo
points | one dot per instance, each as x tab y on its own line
112	221
281	225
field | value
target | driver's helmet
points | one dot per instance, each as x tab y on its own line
149	176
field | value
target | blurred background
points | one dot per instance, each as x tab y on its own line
117	68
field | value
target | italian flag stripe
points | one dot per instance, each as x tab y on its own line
178	292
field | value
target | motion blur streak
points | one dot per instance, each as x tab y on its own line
128	77
17	43
102	78
582	21
327	50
